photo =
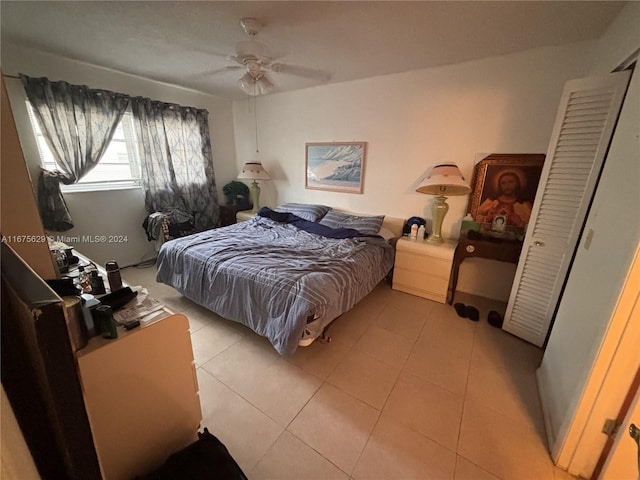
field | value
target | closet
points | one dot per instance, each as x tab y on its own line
585	123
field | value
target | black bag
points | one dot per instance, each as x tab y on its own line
205	459
406	229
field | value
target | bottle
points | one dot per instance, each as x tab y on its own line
421	231
414	231
61	261
113	275
84	282
97	283
104	322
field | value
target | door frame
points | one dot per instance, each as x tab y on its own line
580	441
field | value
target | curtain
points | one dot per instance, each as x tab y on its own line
177	167
78	124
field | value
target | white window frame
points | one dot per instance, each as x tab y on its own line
91	186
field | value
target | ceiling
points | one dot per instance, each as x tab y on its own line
189	43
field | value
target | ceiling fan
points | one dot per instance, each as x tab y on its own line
256	58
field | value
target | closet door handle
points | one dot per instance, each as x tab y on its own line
538	244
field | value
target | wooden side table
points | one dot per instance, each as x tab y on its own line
228	214
485	247
423	269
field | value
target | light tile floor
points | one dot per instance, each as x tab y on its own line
406	389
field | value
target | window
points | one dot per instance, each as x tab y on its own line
119	166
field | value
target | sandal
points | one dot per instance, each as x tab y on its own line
461	309
467	311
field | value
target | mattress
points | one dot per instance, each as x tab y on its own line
283	282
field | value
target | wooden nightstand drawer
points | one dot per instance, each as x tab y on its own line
423	264
423	269
416	283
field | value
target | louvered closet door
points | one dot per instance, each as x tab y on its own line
584	125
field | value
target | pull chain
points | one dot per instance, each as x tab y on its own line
255	116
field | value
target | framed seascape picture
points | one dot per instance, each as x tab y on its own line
337	167
504	188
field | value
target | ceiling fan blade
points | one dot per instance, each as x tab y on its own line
217	71
300	71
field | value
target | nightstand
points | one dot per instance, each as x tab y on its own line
423	269
228	214
244	215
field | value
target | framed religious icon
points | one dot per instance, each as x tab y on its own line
337	167
504	188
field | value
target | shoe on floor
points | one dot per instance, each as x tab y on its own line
495	319
467	311
473	313
461	309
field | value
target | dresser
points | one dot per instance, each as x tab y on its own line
423	269
113	409
141	395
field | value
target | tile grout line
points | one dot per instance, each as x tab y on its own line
387	399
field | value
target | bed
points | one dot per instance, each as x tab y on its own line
286	274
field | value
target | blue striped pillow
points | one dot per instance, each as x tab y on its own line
313	213
369	225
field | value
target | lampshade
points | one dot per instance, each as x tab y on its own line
445	179
254	171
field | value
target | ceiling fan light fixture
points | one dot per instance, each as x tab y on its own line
248	85
264	85
255	86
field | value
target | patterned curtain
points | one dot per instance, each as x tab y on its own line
78	124
177	168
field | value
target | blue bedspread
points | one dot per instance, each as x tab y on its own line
274	277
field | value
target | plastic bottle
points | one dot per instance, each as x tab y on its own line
113	275
414	231
84	282
421	231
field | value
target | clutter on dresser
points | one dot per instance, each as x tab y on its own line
97	301
144	309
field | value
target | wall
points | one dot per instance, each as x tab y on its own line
412	121
599	270
113	212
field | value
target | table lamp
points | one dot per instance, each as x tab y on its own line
444	179
254	171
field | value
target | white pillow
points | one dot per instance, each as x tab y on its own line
387	234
